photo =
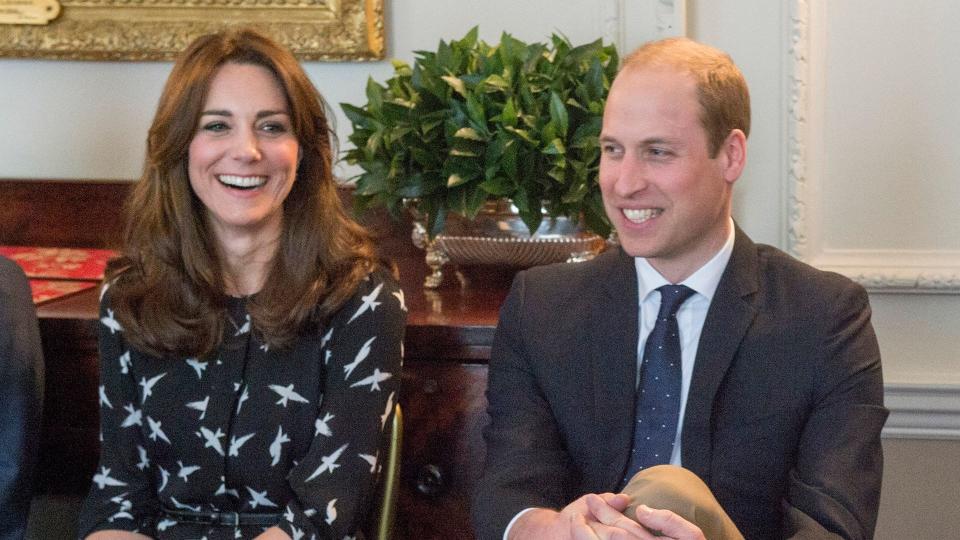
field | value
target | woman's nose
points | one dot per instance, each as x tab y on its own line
247	146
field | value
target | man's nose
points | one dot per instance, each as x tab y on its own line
632	177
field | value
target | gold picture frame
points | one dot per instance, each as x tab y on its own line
329	30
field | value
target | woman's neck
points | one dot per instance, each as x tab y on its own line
246	261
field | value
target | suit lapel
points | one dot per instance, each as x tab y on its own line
730	315
614	359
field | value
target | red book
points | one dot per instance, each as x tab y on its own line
60	263
44	290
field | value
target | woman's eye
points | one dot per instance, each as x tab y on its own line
215	126
274	127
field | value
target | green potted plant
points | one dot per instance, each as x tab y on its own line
473	122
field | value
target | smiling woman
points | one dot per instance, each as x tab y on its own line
249	339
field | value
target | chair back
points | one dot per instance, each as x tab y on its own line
389	483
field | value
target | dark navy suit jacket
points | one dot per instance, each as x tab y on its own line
784	412
21	398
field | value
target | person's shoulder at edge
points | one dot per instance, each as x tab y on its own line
575	277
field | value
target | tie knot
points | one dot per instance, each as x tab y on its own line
672	297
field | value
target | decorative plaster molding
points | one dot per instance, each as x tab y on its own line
922	411
671	18
611	19
798	53
885	271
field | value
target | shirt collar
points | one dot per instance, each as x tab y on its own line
704	281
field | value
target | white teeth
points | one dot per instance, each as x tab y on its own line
639	216
242	181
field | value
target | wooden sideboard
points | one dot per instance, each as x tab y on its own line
447	345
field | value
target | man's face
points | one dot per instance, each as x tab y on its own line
668	199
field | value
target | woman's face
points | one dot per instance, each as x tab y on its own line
243	157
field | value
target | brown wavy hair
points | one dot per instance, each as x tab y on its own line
168	289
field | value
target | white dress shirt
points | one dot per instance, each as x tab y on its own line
690	319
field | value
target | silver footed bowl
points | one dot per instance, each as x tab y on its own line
497	236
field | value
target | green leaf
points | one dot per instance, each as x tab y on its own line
558	114
374	97
468	133
555	148
456	84
455	180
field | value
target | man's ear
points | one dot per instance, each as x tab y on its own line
733	155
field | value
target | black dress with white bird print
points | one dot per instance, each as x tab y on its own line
250	429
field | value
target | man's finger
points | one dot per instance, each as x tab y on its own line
611	517
668	523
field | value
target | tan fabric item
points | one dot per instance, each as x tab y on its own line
682	492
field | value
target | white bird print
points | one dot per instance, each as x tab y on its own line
276	446
310	512
125	362
331	512
259	498
245	328
111	323
372	460
134	418
369	302
386	411
328	463
373	380
155	431
265	347
297	533
148	386
288	514
223	489
122	514
202	407
186	470
326	338
243	397
123	511
182	506
164	477
323	428
236	443
103	397
166	524
361	356
103	479
326	356
211	439
144	459
403	303
286	393
197	366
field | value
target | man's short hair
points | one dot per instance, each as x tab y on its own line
721	88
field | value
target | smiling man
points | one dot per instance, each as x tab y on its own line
726	389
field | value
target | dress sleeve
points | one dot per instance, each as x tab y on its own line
362	350
842	433
122	495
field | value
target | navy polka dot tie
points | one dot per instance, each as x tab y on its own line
658	395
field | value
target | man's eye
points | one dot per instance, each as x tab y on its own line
658	152
610	149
